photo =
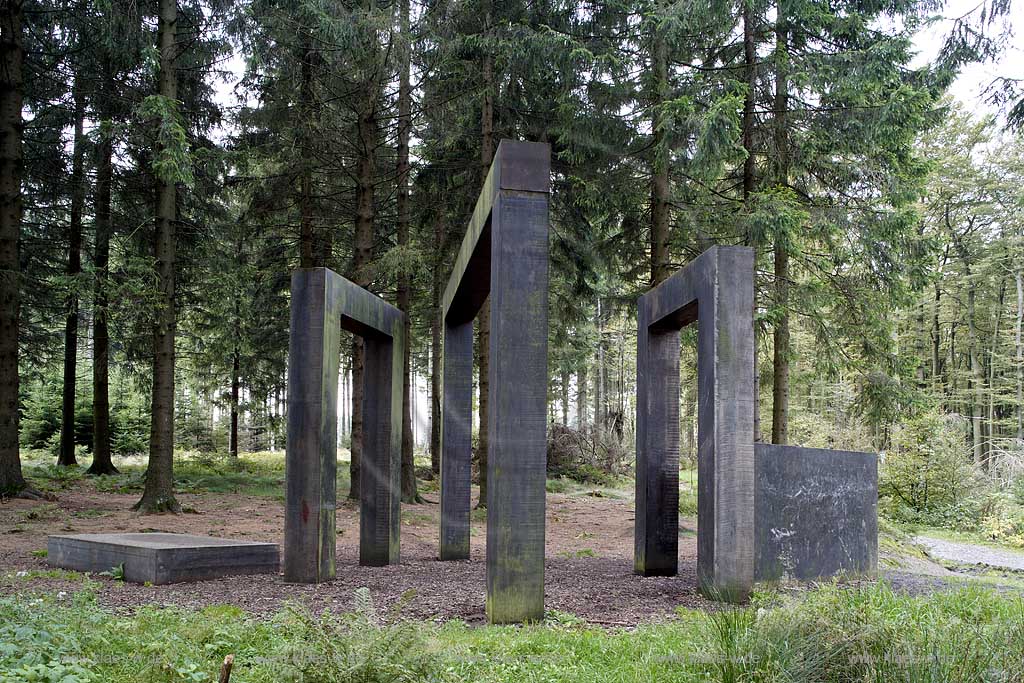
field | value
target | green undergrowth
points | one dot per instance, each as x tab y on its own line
828	634
256	474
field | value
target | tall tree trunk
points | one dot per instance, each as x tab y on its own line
780	361
991	414
581	395
921	342
308	251
750	168
660	162
1019	280
158	495
11	127
233	437
101	461
101	456
236	353
361	255
435	345
977	376
67	425
599	396
936	341
484	317
565	397
409	492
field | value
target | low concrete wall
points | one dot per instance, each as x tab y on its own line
815	512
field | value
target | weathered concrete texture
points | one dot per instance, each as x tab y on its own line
456	441
160	558
504	255
322	304
816	512
717	287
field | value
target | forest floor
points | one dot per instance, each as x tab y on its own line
589	549
588	568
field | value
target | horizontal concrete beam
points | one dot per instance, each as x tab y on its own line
517	167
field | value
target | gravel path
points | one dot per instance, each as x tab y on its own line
970	553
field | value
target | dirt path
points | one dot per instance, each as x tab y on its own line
589	567
971	553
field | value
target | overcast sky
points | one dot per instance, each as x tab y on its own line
970	86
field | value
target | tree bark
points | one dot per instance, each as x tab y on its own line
435	345
977	375
66	457
780	361
750	169
409	492
484	317
233	437
660	162
565	397
101	456
599	387
936	341
1019	280
750	76
581	396
361	255
308	252
991	427
158	495
12	57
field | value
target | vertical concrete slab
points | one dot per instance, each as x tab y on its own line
311	451
380	471
657	458
816	513
456	440
725	426
517	455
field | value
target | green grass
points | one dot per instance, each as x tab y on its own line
829	634
688	493
255	474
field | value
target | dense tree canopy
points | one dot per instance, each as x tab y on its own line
165	164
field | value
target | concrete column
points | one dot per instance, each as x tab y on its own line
517	455
456	441
311	453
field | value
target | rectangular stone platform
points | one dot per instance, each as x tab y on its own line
160	558
816	512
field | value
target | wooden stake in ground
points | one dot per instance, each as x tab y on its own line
225	669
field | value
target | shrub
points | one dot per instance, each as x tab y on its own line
593	456
927	476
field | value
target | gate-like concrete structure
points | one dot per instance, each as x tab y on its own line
764	512
717	288
504	255
324	303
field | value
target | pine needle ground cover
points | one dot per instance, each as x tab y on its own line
829	634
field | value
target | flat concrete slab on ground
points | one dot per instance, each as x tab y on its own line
160	558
